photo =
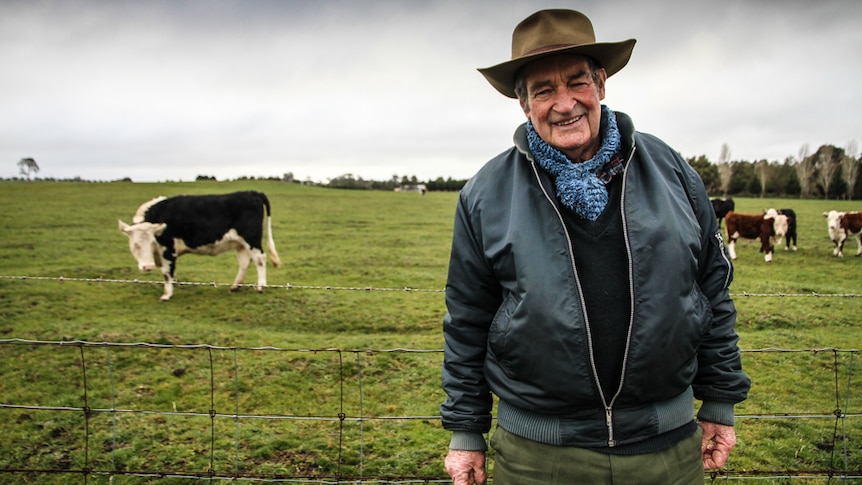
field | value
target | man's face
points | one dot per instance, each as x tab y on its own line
564	104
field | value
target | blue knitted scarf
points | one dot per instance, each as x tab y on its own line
578	186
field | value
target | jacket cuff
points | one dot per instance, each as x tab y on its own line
717	412
467	441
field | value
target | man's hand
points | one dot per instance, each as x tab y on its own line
466	467
718	440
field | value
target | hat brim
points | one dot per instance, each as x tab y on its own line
613	56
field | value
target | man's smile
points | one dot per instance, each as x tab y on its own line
569	121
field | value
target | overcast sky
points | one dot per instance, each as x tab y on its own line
173	89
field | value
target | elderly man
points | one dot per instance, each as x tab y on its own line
587	289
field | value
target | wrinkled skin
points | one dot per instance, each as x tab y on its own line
466	467
718	440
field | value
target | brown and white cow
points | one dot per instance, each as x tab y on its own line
842	225
164	229
769	227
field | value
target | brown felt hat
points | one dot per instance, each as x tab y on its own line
556	31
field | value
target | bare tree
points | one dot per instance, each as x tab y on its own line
763	172
725	171
850	166
805	170
27	167
826	165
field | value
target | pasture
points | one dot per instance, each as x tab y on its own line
214	383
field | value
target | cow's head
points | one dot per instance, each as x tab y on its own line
143	244
833	221
778	224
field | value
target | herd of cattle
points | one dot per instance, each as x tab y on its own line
163	229
773	225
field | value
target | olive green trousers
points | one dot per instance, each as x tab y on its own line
519	461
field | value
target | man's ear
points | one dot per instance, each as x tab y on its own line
602	77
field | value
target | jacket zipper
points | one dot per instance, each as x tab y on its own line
609	413
609	421
724	256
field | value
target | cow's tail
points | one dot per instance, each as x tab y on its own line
270	242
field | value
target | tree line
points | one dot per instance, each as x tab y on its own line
828	173
349	181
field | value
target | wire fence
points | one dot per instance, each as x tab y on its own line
144	412
288	286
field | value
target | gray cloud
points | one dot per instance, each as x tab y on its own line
168	90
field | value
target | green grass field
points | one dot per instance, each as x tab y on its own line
362	271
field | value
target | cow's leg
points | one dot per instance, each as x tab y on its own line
168	272
244	258
834	247
731	248
859	242
768	256
840	244
259	258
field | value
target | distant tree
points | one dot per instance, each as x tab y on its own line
708	173
805	169
753	182
785	179
27	167
838	186
762	171
857	187
447	185
348	181
827	162
850	167
744	179
725	171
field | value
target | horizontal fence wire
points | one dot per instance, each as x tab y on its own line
348	371
289	286
343	403
216	284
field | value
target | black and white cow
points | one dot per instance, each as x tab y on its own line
722	207
790	237
164	229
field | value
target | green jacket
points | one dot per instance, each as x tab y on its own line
516	324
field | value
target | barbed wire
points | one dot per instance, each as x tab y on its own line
214	284
406	289
87	343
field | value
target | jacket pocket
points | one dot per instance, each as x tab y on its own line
498	335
